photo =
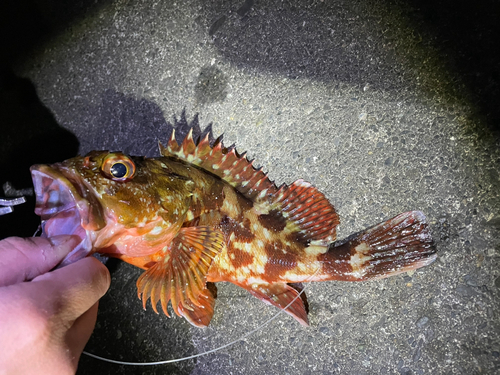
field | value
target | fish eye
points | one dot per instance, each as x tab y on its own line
118	167
119	170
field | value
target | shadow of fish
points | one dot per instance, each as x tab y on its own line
201	213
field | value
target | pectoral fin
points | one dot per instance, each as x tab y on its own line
281	295
181	276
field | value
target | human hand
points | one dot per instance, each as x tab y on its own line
46	318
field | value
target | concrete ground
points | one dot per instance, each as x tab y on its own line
384	106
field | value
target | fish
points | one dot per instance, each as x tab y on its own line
202	213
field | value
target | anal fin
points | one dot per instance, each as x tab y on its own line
281	295
299	287
201	315
180	277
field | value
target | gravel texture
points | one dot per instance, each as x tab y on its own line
384	106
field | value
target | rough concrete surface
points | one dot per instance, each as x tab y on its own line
384	106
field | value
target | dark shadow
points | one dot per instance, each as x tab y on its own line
393	46
126	124
468	36
295	39
29	135
25	24
211	86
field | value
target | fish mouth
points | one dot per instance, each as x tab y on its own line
62	202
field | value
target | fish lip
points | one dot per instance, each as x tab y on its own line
62	208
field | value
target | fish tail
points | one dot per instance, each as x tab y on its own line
398	245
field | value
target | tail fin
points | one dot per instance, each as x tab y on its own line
398	245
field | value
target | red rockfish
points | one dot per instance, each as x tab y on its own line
202	213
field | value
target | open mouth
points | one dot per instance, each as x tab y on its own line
62	209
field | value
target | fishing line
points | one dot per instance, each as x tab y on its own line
212	350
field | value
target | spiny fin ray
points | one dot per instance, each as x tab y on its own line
224	162
281	295
181	276
310	213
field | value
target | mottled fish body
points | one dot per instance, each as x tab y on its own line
202	213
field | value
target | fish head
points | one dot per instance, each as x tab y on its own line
117	204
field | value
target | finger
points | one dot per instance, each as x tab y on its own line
79	334
63	294
22	259
73	289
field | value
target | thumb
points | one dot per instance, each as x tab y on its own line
22	259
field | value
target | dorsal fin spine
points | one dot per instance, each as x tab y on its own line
188	146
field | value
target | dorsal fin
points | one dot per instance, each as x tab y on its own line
224	162
310	214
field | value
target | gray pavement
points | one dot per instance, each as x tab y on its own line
363	99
